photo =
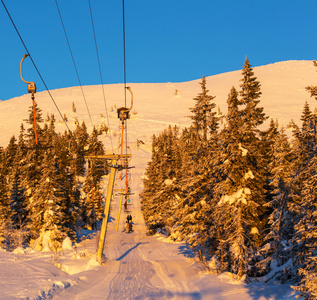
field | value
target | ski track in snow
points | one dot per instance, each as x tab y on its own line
138	266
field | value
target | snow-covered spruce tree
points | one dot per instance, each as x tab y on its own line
250	93
308	284
31	170
5	212
74	180
276	250
197	146
304	195
10	154
203	117
16	190
65	166
253	116
241	189
307	138
160	183
306	234
21	147
79	150
268	137
170	168
304	148
194	212
232	223
17	198
92	193
152	184
49	211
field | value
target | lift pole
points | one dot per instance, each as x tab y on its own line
103	231
119	212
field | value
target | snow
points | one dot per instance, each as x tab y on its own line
248	175
238	196
243	150
67	244
140	266
254	230
168	181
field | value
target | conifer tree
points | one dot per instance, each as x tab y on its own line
80	148
34	154
5	212
203	117
160	184
49	211
197	146
194	214
17	199
280	225
91	187
250	93
10	154
304	145
241	188
152	184
30	132
15	153
305	235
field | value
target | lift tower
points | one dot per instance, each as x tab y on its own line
114	166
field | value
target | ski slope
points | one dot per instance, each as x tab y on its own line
140	266
137	266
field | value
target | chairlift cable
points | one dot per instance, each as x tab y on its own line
125	86
42	79
102	84
72	56
124	56
38	72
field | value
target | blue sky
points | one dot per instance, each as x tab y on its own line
166	40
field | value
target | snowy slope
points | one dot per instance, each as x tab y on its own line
139	266
283	97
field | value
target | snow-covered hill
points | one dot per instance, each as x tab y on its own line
139	266
156	105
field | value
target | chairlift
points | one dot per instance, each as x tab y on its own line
124	112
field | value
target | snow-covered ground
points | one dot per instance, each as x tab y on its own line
139	266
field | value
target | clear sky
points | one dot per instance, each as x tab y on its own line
166	40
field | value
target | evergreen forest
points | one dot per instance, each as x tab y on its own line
243	197
47	190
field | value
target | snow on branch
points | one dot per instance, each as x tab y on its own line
239	196
244	151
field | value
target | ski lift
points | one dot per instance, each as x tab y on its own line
31	84
124	112
125	162
32	91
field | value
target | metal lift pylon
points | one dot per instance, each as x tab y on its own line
103	231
